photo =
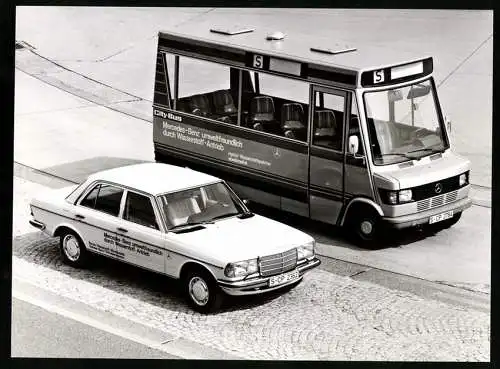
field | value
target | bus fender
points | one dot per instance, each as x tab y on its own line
363	200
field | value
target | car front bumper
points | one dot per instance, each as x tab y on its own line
261	284
412	220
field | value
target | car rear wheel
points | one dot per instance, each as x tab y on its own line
73	250
202	292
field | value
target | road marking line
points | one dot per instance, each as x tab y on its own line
91	322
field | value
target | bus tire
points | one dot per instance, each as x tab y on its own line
201	291
364	226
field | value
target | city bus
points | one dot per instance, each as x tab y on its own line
352	137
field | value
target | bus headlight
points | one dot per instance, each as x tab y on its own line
462	180
305	251
405	196
241	268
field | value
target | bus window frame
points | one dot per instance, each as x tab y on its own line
312	106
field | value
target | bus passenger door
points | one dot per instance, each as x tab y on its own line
326	161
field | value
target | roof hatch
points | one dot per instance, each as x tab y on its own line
230	31
338	49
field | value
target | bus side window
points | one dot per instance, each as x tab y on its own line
328	120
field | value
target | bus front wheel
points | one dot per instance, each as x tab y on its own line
364	226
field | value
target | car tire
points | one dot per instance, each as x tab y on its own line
364	227
446	223
202	292
73	250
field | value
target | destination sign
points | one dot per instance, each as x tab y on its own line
397	73
272	64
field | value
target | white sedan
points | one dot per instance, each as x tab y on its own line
179	222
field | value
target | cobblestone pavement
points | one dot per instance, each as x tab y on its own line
326	317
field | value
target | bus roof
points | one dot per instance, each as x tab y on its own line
295	46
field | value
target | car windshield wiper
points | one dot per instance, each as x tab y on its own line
191	224
224	216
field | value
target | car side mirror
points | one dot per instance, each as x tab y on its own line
246	201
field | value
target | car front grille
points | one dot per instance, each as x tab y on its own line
436	201
278	263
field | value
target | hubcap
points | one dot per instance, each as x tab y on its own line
366	227
71	247
198	290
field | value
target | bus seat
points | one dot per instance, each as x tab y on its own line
258	126
223	102
291	116
262	109
324	123
289	134
200	105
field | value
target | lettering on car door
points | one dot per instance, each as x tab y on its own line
139	235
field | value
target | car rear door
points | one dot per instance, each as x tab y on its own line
97	215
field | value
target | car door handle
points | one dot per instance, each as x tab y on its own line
121	229
79	216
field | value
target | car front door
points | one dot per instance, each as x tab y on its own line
140	237
97	216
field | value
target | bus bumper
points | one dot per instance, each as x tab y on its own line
412	220
261	284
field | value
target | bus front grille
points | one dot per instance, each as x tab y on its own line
436	201
278	263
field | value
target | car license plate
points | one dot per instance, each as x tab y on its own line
440	217
283	278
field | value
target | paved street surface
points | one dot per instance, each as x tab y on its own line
117	46
61	337
352	308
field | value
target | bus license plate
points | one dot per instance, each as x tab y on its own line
441	217
283	278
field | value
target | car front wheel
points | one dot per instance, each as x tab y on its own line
73	250
202	291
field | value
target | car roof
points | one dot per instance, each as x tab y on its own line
154	178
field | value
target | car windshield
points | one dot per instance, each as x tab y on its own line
403	123
200	205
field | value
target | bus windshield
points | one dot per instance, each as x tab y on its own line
404	124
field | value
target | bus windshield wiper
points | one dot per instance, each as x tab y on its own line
427	149
400	154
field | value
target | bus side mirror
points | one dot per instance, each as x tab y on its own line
447	122
353	145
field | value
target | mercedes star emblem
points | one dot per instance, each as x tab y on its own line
438	188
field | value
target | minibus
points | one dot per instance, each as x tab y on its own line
352	137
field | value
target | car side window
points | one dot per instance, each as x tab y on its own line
105	198
138	209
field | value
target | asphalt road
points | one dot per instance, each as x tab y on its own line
37	332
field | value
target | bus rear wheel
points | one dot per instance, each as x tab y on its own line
364	227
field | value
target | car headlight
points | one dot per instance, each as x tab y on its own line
305	251
462	180
392	197
241	268
405	195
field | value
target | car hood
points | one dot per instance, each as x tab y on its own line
234	239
